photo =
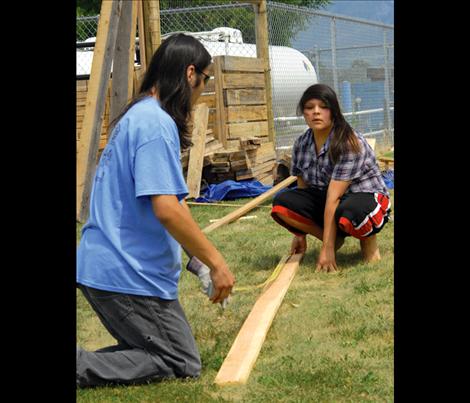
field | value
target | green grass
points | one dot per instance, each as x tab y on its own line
331	340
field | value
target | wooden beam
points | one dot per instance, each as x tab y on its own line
87	147
242	356
123	60
142	41
219	101
250	205
196	153
221	204
262	51
151	18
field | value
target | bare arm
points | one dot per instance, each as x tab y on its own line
327	259
301	183
177	219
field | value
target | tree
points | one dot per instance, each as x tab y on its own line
286	25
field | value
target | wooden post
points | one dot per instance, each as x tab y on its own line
87	147
142	41
151	17
219	101
262	51
123	60
196	153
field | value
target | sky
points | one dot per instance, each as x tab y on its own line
375	10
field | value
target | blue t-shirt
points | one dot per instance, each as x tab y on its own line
124	247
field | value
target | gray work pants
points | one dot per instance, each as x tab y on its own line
154	341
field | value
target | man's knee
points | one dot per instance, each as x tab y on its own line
193	368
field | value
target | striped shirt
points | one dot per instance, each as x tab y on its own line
318	170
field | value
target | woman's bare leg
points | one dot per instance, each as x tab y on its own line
370	249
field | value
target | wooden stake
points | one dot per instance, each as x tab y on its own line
242	356
250	205
87	147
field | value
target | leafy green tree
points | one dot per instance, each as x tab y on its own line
285	25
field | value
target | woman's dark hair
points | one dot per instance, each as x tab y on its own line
344	138
166	73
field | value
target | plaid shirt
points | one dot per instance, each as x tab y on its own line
317	170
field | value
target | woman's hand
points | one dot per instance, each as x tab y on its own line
326	260
299	244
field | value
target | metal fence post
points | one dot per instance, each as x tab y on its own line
386	90
317	62
333	54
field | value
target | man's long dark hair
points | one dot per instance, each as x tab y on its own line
343	139
167	74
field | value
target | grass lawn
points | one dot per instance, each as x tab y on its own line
331	340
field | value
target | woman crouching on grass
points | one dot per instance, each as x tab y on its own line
340	188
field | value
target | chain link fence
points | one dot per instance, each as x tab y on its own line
353	56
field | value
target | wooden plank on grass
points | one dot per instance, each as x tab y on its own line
242	356
87	148
196	153
250	205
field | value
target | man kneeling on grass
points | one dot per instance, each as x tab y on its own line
129	257
340	188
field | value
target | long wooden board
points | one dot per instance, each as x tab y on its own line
250	205
242	356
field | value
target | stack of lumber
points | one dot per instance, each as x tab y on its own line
246	158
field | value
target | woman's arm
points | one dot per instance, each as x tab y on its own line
327	259
177	219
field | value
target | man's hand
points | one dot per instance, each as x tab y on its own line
299	244
222	282
326	260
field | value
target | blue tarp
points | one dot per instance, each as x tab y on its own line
388	177
229	190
